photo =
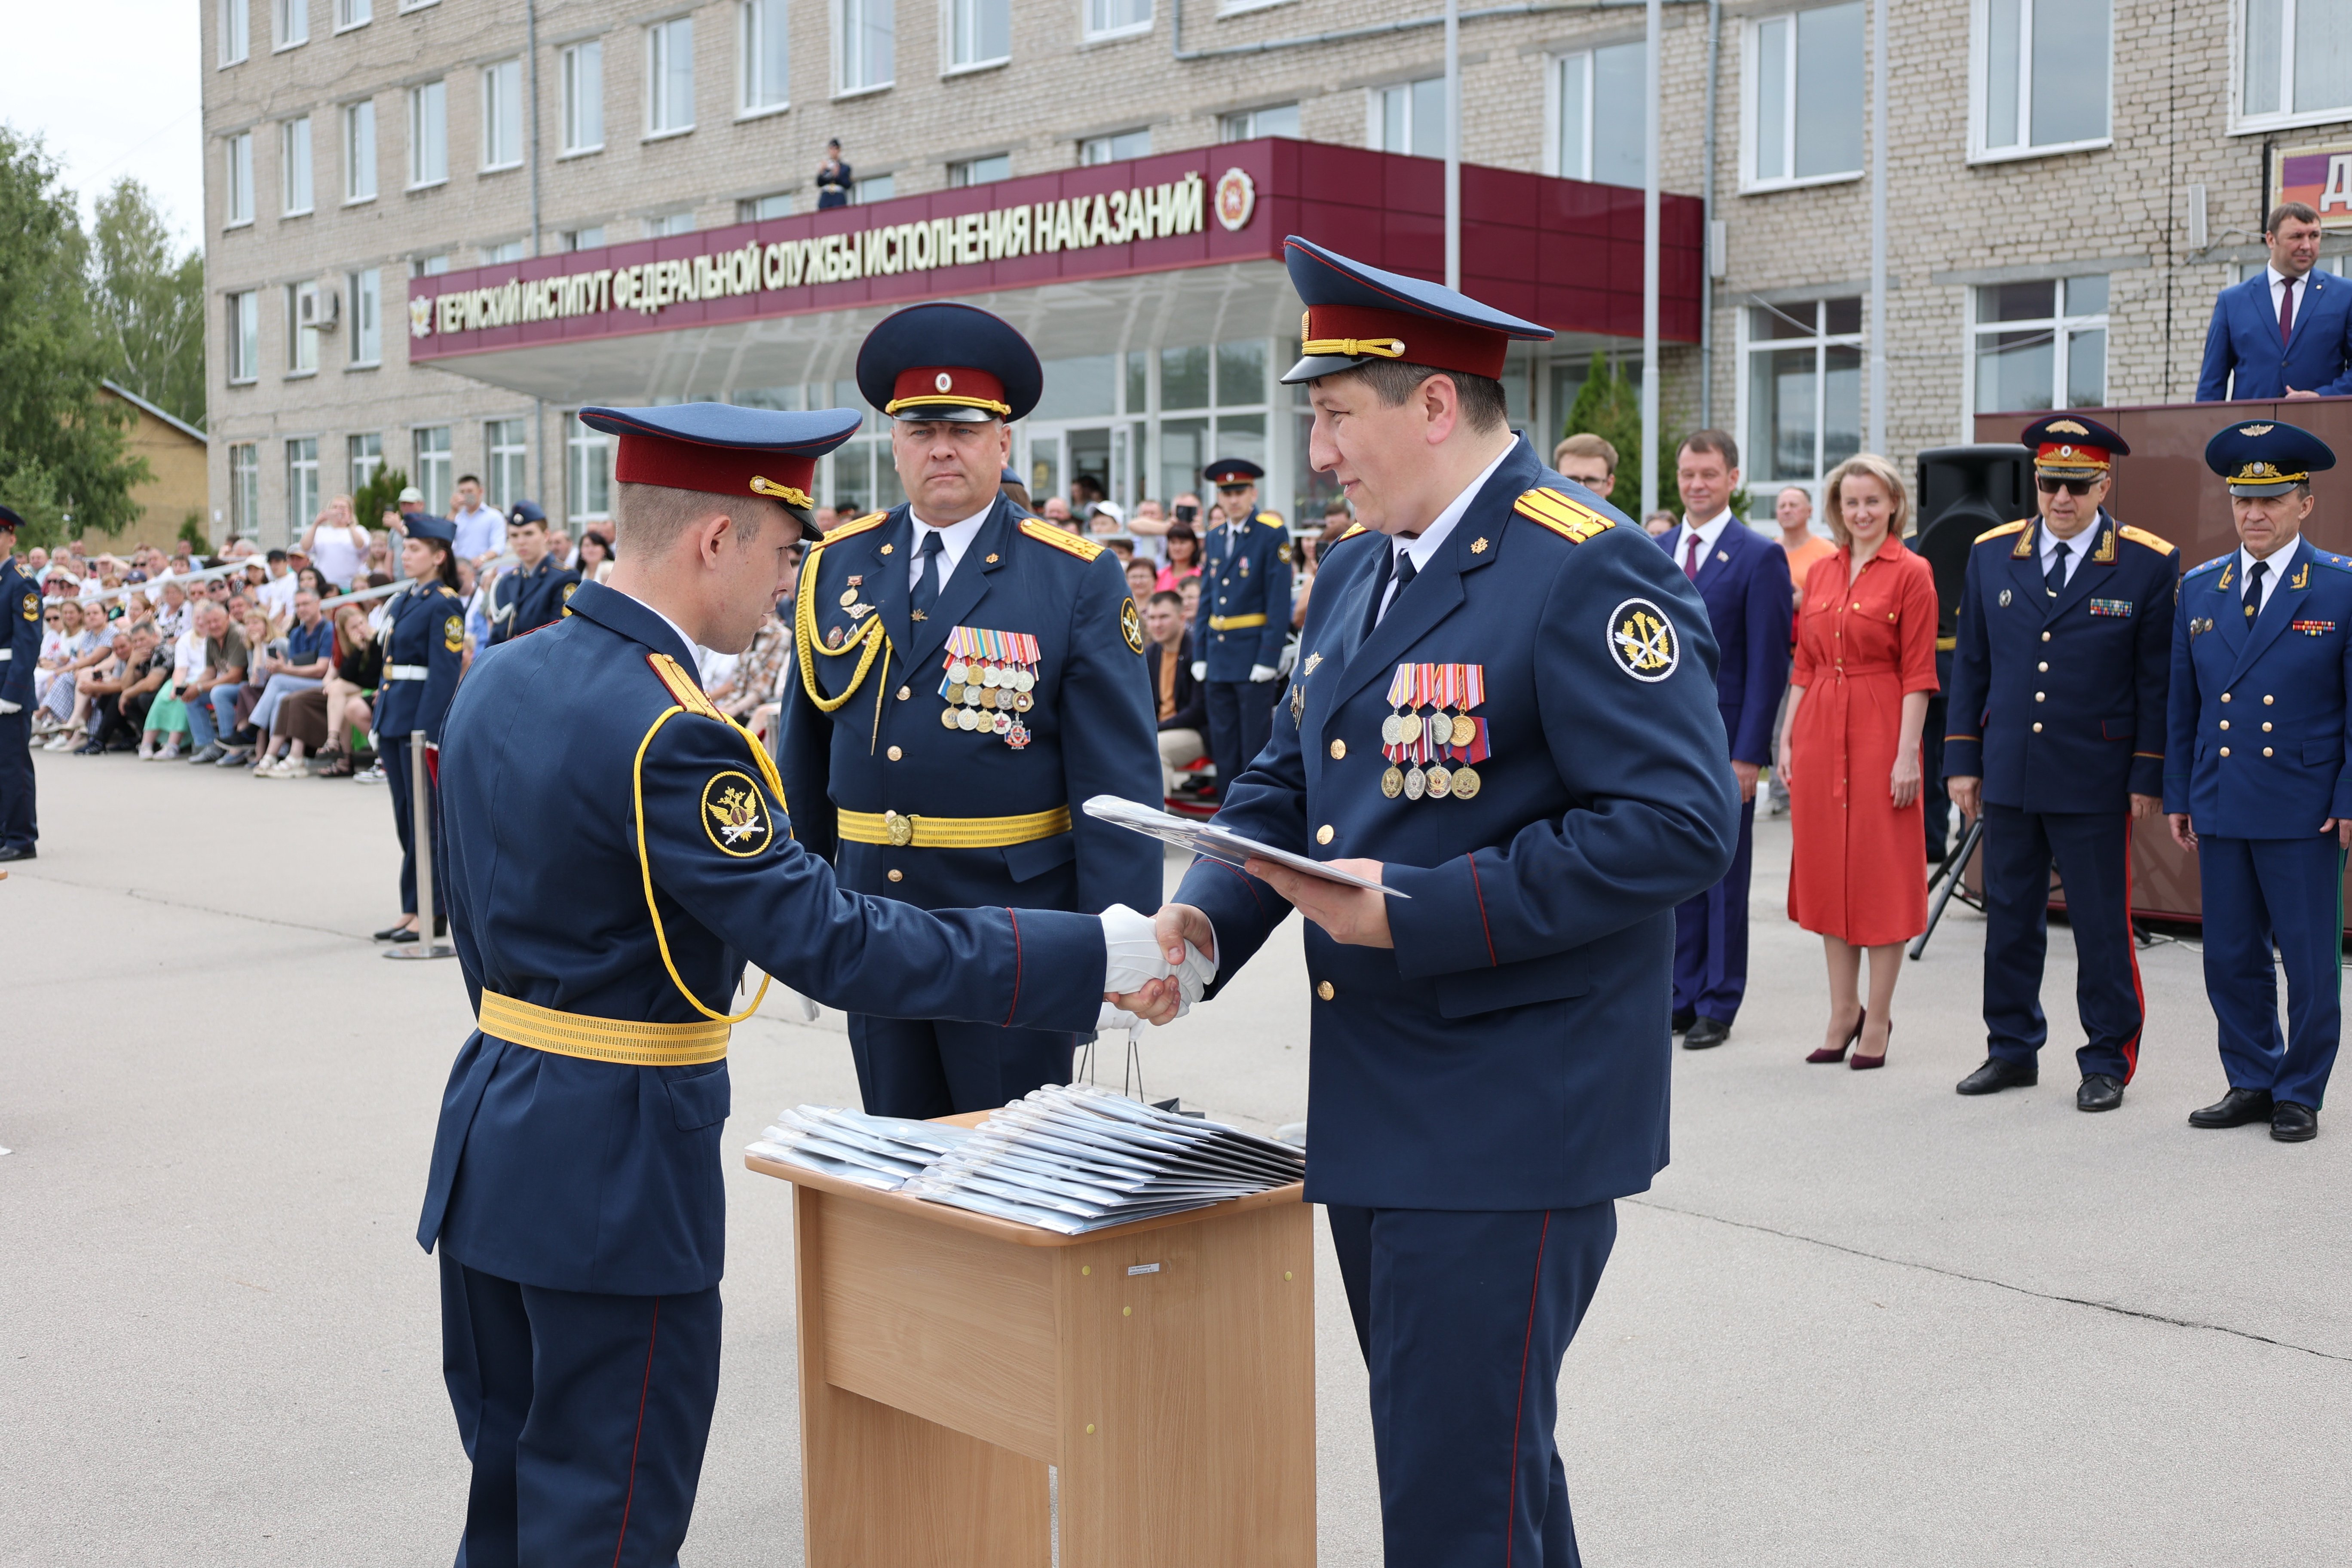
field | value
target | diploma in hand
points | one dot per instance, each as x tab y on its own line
1217	843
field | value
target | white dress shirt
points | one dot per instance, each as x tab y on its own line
2278	281
954	539
2075	547
2277	559
695	651
1423	547
1707	534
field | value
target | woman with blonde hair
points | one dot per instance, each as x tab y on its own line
1866	667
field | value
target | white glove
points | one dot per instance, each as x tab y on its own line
1289	655
1131	948
1199	670
1262	673
11	708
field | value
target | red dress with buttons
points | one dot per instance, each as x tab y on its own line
1859	870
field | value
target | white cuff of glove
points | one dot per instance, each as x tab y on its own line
11	708
1131	947
1262	673
1199	670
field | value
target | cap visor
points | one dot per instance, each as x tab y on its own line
2054	471
957	413
1313	365
2266	488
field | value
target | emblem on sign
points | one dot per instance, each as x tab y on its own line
1643	641
420	318
1236	199
735	817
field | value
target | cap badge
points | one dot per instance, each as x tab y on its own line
2068	428
2253	429
2065	451
944	382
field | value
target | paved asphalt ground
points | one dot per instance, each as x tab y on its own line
1859	1320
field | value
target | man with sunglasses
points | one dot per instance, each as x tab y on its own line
2057	711
1243	621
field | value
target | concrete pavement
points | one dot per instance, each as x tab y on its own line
1858	1320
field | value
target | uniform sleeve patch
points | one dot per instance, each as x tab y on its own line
1046	533
1643	641
1131	624
32	607
735	815
453	633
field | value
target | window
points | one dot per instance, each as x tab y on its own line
2040	345
294	166
366	461
669	77
2041	69
233	43
980	171
584	97
863	43
1598	115
2298	62
502	115
366	290
1113	19
430	266
499	255
244	337
359	152
432	473
669	224
301	483
766	83
979	33
1282	119
759	208
245	487
874	188
1410	117
502	439
588	475
238	152
1803	112
428	135
1115	149
290	23
583	239
1804	389
353	13
301	334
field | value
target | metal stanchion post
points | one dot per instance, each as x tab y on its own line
420	794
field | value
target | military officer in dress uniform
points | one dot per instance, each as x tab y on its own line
617	849
20	603
423	641
537	589
2258	777
2057	715
968	676
1505	709
1242	625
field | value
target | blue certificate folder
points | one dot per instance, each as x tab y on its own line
1218	843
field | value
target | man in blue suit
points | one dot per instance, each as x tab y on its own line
2258	777
2286	332
2057	716
1506	713
1743	579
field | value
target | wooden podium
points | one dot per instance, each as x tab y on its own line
1166	1369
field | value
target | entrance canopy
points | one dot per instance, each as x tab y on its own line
1177	250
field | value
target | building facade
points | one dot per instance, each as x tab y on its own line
2069	185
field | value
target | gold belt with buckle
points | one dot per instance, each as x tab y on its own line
618	1040
951	832
1234	622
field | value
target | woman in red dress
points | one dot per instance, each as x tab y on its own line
1858	694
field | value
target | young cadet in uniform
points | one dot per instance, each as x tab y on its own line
968	676
2057	712
1506	709
2258	777
536	590
617	849
20	603
1243	622
424	639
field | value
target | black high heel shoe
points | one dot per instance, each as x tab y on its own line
1835	1055
1864	1064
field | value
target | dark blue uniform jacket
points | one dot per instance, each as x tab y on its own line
20	601
1750	600
527	597
1246	575
423	629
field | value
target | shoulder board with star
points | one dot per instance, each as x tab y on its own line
1268	520
2326	558
2213	565
683	690
1046	533
1353	529
1571	519
2143	538
2005	530
842	531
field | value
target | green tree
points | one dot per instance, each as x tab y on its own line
1607	406
149	303
378	497
63	465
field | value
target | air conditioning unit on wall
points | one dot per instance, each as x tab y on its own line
320	306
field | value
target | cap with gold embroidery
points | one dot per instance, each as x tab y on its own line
2070	446
1356	313
2264	457
946	361
725	450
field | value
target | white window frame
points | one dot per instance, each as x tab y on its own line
2246	123
952	16
244	344
1375	121
748	209
296	169
2062	328
1750	125
589	239
302	342
582	446
236	28
302	486
1095	34
441	477
1105	146
842	12
871	188
1246	122
366	290
959	172
1242	8
408	5
753	18
285	17
237	185
502	110
497	458
1981	80
428	112
361	468
1821	343
582	64
350	14
243	487
1554	109
359	152
661	41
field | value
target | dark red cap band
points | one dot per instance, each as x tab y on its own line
1355	330
958	386
716	470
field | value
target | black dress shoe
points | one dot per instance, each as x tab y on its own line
1682	1022
17	852
396	933
2293	1123
1705	1033
2099	1092
2235	1109
1996	1074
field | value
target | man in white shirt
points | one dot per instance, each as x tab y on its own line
481	532
2286	332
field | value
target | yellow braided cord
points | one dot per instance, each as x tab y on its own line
871	639
646	870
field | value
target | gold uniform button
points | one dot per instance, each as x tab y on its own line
2268	700
2225	751
905	692
2045	638
2041	697
1325	991
2266	750
2225	723
898	875
1323	834
2037	728
1338	750
2225	696
2044	667
894	753
2266	726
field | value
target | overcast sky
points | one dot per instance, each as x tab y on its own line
114	87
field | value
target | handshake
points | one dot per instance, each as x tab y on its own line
1155	969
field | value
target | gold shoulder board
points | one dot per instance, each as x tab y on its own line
1045	532
1571	519
2004	531
683	690
1353	529
841	531
2161	545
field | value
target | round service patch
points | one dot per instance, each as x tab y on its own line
453	633
1131	624
1643	641
32	607
735	815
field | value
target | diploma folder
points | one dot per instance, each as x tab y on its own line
1219	843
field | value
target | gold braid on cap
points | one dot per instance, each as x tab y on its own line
1002	410
764	485
1351	348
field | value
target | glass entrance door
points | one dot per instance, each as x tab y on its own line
1057	456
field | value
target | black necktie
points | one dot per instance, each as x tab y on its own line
926	584
2254	589
1404	574
2056	578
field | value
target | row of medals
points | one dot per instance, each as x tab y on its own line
973	687
1437	780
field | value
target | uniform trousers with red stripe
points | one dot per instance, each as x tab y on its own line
585	1418
2092	853
1463	1318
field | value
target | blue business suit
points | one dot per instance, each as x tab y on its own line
2243	356
1480	1094
2058	705
1744	583
2259	756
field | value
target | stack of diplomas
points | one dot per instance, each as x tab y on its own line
1067	1159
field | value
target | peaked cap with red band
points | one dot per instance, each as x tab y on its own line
946	361
1356	314
725	450
2071	447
